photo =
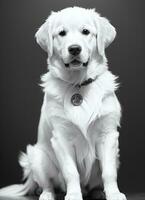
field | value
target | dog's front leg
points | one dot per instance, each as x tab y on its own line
68	167
107	153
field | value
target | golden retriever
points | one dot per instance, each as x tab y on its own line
77	147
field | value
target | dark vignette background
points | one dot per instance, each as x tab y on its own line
22	62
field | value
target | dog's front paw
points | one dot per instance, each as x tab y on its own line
74	196
46	196
116	196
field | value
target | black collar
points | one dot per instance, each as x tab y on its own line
86	82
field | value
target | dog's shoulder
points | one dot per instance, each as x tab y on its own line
54	88
110	103
110	106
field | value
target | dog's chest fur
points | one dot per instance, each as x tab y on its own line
59	95
85	113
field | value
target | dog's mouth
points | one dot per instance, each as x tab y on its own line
76	63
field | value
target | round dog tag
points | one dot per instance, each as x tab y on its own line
77	99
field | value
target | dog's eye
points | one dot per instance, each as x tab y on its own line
62	33
85	32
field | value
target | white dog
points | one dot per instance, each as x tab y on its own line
77	147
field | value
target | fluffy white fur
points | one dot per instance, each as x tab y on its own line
73	140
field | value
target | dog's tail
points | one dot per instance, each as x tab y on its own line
18	189
29	185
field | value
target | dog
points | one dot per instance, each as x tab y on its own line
77	146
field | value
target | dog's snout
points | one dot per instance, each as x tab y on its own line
74	50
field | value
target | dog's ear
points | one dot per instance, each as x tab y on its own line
105	34
44	37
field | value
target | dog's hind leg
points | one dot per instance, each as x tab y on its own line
43	171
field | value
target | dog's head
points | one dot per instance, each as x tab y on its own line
75	36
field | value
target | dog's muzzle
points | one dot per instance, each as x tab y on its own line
75	62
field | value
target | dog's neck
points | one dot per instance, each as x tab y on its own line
93	70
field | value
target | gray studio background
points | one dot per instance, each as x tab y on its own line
22	62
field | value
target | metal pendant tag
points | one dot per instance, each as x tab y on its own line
77	99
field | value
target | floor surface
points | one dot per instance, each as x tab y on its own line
129	197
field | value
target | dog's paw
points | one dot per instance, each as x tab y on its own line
74	196
116	196
46	196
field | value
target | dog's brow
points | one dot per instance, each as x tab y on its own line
59	28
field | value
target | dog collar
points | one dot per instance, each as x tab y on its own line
77	98
86	82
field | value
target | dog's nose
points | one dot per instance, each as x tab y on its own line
74	50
